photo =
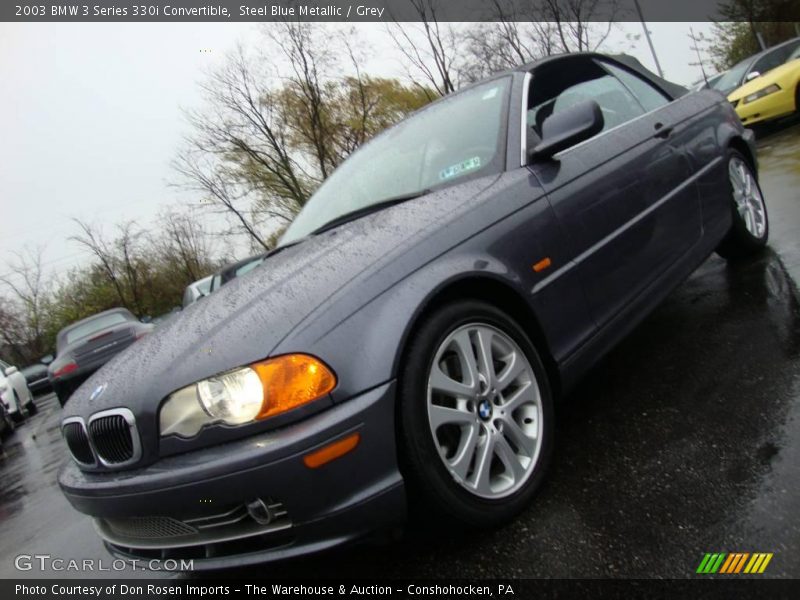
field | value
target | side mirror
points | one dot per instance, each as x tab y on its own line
46	360
752	75
567	128
11	370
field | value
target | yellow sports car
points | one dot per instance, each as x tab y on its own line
765	86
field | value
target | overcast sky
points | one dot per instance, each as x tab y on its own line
91	117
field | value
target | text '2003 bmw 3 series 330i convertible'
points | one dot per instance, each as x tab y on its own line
404	344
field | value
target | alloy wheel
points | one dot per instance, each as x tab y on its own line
484	410
748	198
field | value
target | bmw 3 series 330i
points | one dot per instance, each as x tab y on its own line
402	348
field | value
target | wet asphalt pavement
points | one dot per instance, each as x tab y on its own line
684	440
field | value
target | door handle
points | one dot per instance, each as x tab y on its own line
662	132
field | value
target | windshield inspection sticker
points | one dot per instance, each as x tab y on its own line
462	167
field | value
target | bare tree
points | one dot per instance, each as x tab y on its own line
93	241
131	264
580	25
13	332
305	90
435	58
273	130
524	31
186	243
220	188
24	328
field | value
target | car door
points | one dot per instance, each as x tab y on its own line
624	198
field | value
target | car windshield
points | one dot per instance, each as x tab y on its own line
96	324
730	79
455	138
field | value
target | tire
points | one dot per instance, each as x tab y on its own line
797	99
31	408
10	426
750	228
18	416
456	493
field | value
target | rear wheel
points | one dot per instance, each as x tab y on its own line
750	227
475	416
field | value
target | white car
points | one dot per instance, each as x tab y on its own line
195	291
16	396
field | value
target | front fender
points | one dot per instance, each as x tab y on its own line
365	349
365	346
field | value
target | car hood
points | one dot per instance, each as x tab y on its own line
767	79
247	318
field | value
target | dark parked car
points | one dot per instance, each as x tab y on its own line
38	379
86	345
406	342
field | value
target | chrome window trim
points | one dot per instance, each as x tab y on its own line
526	83
566	151
607	131
130	419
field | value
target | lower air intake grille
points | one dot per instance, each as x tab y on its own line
150	527
78	443
112	438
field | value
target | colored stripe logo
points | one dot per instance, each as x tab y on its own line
734	562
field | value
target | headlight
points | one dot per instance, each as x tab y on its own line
247	394
771	89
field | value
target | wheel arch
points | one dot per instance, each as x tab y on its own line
499	293
738	143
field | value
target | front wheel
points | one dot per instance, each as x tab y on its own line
475	416
750	227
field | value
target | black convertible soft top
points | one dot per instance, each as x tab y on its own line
673	89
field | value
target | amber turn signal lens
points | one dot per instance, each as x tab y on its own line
332	451
290	381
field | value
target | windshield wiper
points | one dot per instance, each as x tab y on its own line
283	247
366	210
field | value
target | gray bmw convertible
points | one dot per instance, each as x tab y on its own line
403	347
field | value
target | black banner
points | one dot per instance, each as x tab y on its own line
374	10
528	589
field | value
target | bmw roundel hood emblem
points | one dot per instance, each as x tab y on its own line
98	391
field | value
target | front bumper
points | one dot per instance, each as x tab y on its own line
194	505
767	108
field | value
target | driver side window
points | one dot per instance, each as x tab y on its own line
555	90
